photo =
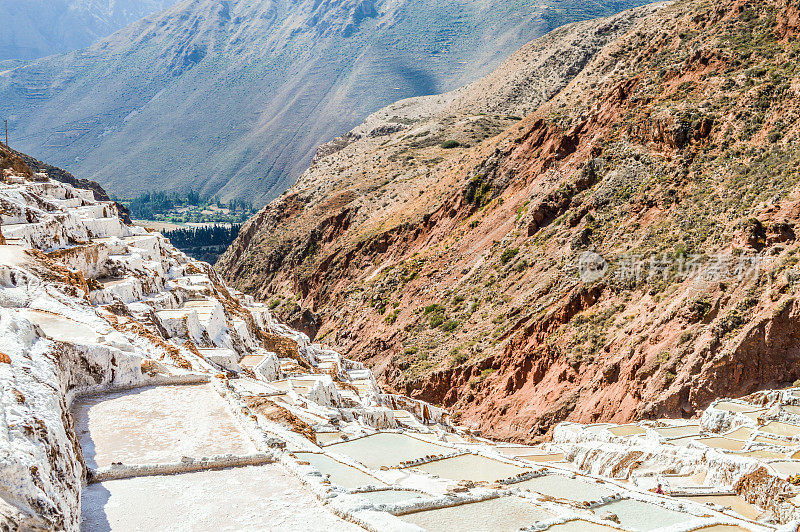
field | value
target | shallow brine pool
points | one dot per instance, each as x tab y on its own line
781	429
678	431
340	474
552	457
742	433
641	515
392	496
731	406
722	528
734	502
726	444
774	441
245	498
787	467
627	430
471	467
564	487
766	455
387	449
504	514
327	437
579	525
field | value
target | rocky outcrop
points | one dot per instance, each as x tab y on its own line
20	164
12	162
63	176
625	251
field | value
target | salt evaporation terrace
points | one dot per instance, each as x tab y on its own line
142	393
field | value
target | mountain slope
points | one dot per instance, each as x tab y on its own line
234	97
38	28
625	251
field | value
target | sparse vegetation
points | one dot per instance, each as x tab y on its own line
436	315
459	359
508	254
390	319
450	325
478	191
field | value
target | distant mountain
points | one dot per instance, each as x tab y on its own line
233	97
38	28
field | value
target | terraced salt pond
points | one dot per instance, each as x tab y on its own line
157	425
448	438
786	467
734	407
767	455
627	430
454	438
564	487
643	516
781	429
579	525
340	474
471	467
722	443
755	415
721	528
743	434
327	437
60	328
387	449
680	482
734	502
683	441
773	441
535	457
246	498
678	431
392	496
504	514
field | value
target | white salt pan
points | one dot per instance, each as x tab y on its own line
247	498
157	425
496	515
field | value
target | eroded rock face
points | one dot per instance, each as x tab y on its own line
462	274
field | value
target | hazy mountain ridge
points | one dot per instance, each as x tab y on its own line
38	28
234	97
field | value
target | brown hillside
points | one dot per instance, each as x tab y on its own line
12	163
462	275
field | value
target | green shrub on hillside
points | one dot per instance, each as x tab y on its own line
509	254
